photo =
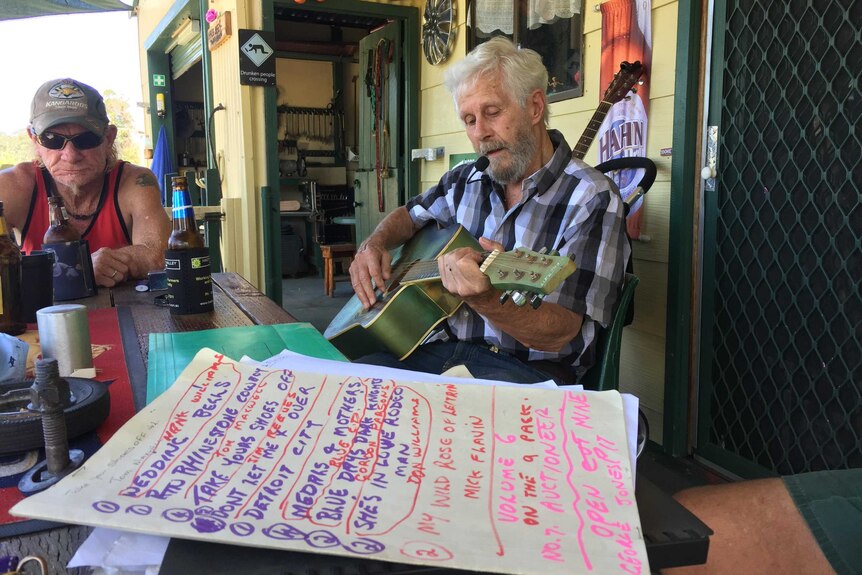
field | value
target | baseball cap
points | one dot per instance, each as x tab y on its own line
67	101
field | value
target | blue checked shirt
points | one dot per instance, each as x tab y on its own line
565	206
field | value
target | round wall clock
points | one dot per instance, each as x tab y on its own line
438	31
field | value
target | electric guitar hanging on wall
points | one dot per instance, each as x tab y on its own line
623	82
415	301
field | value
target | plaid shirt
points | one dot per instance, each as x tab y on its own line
565	206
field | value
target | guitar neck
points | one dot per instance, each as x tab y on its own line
418	272
583	145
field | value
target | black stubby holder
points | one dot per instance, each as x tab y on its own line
190	287
73	270
37	283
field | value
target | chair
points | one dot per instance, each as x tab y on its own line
333	253
605	374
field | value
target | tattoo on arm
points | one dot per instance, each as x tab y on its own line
146	180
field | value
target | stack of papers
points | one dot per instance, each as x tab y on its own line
512	479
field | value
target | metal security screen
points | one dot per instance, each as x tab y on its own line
786	369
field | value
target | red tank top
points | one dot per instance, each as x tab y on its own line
106	230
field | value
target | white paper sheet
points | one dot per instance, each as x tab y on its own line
124	552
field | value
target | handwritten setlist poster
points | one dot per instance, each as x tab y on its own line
506	479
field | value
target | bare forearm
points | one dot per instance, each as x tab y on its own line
371	266
392	231
547	328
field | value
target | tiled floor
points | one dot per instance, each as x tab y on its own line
303	297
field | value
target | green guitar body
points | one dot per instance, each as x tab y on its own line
407	314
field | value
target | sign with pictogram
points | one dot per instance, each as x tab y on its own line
257	58
159	80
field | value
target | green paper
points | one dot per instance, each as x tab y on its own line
170	353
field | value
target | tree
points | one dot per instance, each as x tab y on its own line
128	146
15	148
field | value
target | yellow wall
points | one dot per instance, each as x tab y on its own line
642	369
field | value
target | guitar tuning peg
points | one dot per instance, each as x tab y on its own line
554	253
519	298
536	301
504	297
543	250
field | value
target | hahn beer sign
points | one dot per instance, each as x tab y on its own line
256	58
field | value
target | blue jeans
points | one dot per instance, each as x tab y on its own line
439	356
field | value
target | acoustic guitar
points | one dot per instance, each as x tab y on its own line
415	301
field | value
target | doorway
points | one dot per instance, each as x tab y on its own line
328	97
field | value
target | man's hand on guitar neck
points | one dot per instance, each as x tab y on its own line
547	328
459	270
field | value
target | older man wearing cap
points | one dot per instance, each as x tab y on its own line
115	205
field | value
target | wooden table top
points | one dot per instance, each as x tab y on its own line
236	303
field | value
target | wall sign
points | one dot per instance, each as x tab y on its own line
256	58
218	31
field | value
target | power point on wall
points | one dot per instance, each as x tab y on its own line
429	154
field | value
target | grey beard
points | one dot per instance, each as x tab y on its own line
522	151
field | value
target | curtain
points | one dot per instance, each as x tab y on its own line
549	11
499	15
495	15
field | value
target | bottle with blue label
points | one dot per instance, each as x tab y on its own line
187	260
185	234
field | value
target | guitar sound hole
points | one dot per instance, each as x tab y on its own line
398	273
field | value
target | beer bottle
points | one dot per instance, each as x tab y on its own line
60	230
10	282
185	234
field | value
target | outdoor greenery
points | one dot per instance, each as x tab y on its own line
16	147
119	112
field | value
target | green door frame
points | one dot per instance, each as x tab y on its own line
158	62
409	17
684	177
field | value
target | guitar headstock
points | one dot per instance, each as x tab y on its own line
623	81
527	272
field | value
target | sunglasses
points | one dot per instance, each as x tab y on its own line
82	141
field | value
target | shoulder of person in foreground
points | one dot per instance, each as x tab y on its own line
141	203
